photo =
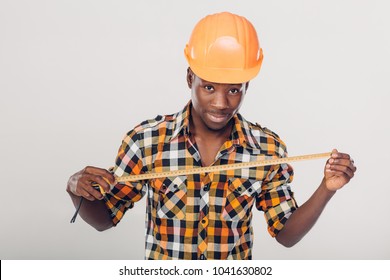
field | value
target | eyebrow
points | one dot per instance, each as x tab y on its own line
208	82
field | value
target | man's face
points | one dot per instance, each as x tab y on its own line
214	104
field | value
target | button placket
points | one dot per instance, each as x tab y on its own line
203	212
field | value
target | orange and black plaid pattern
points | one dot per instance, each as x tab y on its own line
201	216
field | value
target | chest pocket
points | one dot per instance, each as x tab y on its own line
170	197
240	196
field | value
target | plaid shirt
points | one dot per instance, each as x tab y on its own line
201	216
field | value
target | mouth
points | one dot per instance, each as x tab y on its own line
218	117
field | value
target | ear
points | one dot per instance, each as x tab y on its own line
246	86
190	77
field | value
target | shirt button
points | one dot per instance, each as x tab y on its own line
206	188
202	257
205	222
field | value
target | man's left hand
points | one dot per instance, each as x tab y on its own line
339	170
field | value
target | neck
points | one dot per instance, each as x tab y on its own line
199	130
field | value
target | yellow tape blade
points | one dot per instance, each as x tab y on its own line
219	168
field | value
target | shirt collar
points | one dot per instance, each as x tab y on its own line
241	133
182	121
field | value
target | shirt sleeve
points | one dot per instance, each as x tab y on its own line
276	199
129	161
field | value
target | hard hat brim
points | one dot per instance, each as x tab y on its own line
225	75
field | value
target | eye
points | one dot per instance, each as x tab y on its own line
209	88
234	91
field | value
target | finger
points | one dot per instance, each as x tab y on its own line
340	170
345	162
352	163
86	183
95	193
341	161
91	178
86	195
335	173
81	191
338	174
89	191
101	172
86	190
338	155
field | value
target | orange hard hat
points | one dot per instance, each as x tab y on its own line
224	48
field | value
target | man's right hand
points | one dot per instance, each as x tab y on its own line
80	183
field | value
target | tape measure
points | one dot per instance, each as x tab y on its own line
219	168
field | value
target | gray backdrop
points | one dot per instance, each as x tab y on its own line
76	75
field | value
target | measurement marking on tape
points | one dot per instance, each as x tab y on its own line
219	168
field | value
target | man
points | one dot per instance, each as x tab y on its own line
208	216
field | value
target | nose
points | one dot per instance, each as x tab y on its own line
220	100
